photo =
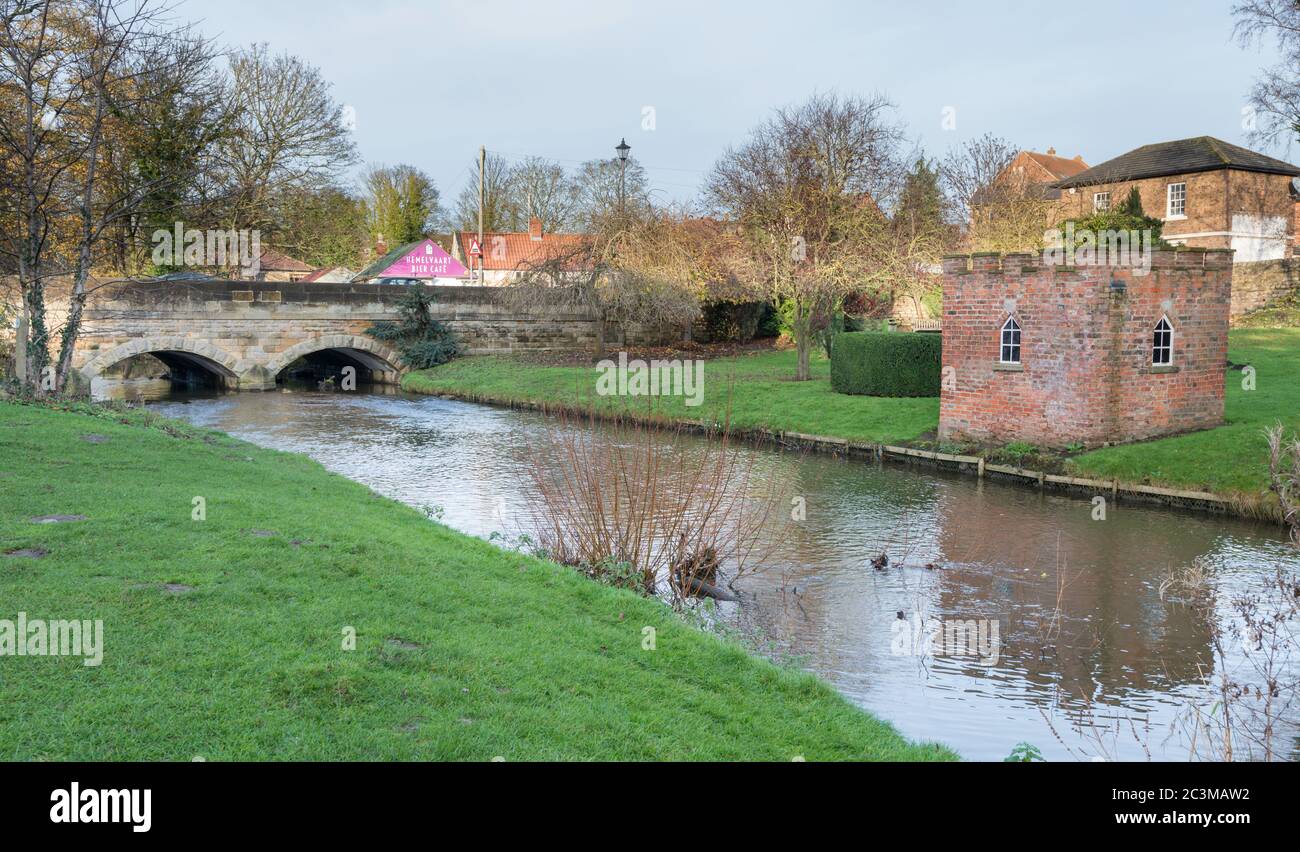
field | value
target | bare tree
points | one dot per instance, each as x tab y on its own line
642	272
1275	97
540	188
808	192
605	188
499	211
1001	209
286	132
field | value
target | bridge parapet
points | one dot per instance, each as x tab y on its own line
249	331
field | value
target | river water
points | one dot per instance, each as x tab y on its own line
1090	661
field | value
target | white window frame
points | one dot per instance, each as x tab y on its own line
1009	342
1167	348
1100	202
1181	197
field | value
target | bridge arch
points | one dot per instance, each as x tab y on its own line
376	356
188	351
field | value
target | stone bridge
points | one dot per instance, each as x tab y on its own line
247	333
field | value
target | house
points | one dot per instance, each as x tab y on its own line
1210	194
1042	171
505	255
427	260
276	266
1015	208
1054	354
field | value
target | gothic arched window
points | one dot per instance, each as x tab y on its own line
1010	341
1162	349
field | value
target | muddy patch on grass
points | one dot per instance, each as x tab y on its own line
95	439
59	519
27	553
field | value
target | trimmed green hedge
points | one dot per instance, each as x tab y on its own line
886	363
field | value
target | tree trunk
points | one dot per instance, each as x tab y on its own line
802	328
804	346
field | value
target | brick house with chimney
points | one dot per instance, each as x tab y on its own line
1042	171
278	266
1210	194
506	254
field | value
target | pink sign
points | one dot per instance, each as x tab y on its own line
427	260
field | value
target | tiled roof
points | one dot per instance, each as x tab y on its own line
382	263
277	262
1060	167
513	251
1200	154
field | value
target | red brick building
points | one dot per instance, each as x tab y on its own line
1042	170
507	254
1210	194
1056	355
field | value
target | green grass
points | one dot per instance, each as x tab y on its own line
463	652
759	394
1234	457
757	391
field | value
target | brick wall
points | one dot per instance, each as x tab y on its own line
1258	285
1085	374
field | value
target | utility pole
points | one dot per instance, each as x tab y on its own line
482	162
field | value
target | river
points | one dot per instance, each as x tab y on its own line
1091	662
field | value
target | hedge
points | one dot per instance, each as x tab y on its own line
886	363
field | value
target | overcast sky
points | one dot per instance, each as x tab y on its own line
431	81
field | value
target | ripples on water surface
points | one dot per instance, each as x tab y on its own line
1117	657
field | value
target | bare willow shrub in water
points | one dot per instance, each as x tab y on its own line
1256	656
653	508
1284	476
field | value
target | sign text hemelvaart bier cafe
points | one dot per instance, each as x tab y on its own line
426	260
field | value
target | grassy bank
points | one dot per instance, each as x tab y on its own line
224	637
1232	459
757	391
759	394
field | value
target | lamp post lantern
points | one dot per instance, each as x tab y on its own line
623	148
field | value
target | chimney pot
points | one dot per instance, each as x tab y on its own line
1051	152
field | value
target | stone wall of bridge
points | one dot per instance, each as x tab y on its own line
247	332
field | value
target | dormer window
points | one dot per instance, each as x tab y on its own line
1162	349
1010	342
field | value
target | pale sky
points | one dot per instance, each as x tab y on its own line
431	81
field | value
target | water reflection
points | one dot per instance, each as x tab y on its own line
1089	651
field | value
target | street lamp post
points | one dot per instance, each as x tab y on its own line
622	149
